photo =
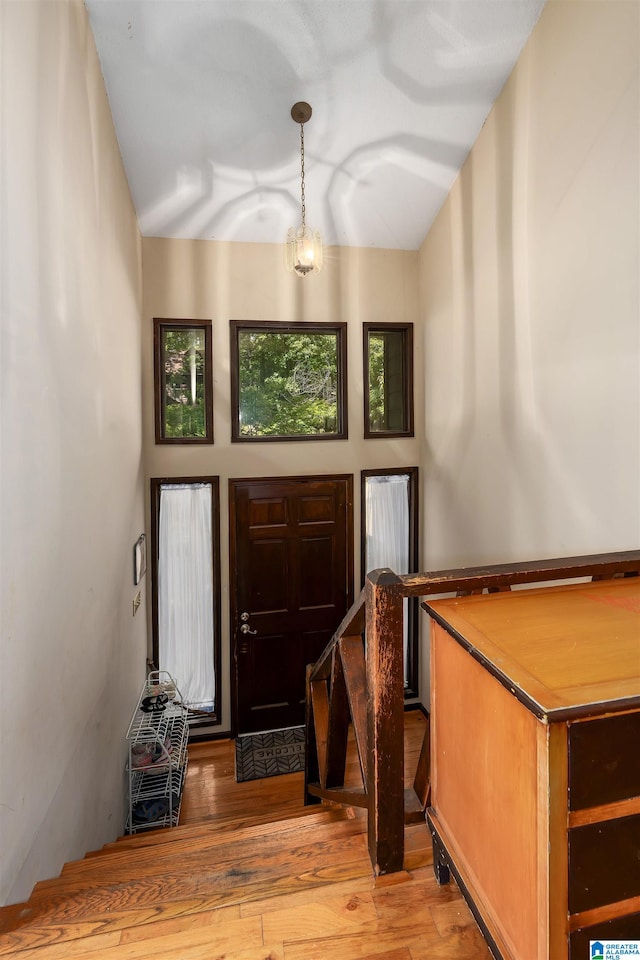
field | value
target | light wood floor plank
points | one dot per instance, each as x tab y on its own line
272	951
370	939
400	953
452	917
416	896
72	948
346	888
466	945
334	916
176	925
195	943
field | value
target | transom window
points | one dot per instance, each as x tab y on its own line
288	381
183	381
388	380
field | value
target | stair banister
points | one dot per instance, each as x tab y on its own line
385	721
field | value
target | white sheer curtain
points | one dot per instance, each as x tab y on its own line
387	531
185	590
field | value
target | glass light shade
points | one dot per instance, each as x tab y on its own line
303	251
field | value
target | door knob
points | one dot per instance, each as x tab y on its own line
245	628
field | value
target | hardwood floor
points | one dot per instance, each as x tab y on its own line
250	874
211	792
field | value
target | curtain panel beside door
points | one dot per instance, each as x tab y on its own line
389	538
186	591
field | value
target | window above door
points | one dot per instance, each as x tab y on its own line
288	381
183	381
388	379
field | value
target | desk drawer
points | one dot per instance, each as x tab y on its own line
604	863
604	760
622	928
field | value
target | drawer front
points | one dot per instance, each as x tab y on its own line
622	928
604	863
604	760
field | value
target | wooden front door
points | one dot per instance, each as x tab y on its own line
291	584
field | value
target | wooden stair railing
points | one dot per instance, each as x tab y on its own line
363	683
360	681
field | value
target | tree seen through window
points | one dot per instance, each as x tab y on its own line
288	383
184	383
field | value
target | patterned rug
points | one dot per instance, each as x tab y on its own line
269	754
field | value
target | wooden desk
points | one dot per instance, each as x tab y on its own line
535	763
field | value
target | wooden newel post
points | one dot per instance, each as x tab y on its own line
385	721
311	768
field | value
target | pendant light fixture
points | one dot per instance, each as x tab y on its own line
304	246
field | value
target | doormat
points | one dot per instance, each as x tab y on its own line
269	754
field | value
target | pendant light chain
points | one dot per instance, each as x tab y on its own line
303	247
302	172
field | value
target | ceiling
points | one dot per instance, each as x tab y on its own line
201	93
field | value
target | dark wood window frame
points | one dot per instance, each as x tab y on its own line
214	718
278	326
411	690
407	377
160	325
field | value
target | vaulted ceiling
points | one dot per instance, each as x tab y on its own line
201	93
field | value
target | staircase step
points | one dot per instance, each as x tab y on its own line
200	852
140	885
180	842
208	826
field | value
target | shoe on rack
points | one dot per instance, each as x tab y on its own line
141	755
145	756
163	686
154	704
159	757
154	808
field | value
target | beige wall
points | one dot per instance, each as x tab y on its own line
72	658
531	313
207	279
529	299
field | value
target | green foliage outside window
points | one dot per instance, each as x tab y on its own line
288	383
388	379
184	383
377	406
